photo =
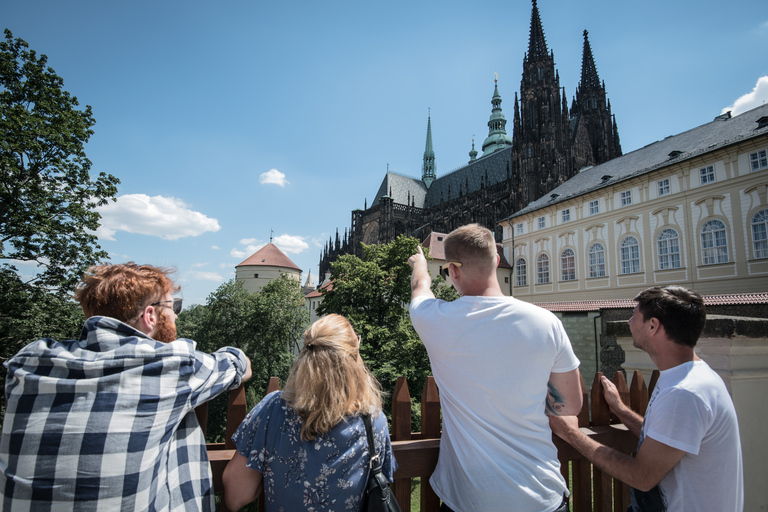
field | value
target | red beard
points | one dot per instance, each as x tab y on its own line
165	330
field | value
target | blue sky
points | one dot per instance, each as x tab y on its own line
227	121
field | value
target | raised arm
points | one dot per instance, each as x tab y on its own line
564	394
421	283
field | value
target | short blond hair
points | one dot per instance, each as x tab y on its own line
329	380
471	245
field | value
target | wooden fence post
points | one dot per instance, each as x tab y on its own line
236	410
581	472
638	394
401	431
430	429
620	489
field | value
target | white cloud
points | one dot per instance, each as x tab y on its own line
207	276
164	217
291	244
251	246
757	97
274	177
215	247
198	265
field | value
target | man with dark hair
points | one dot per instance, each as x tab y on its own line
502	365
107	422
689	451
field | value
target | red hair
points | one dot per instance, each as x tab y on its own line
122	291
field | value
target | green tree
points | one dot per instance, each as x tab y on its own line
265	325
47	196
373	292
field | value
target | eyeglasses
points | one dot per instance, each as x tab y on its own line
176	305
444	270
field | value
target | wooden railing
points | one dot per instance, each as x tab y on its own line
416	452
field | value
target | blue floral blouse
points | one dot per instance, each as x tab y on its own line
327	474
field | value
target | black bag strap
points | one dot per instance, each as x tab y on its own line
375	463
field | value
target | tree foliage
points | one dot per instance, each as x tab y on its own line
373	292
47	196
265	325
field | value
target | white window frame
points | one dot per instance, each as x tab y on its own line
594	207
568	265
758	160
542	269
626	198
714	242
707	175
668	249
596	256
760	234
566	215
629	251
519	228
521	272
542	222
663	187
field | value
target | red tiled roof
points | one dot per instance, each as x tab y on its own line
328	286
596	305
269	256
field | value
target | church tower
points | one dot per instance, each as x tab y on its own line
542	135
428	168
497	133
592	105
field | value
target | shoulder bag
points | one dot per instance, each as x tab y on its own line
378	496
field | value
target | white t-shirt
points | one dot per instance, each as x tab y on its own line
690	409
491	358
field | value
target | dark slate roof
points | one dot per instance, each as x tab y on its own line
721	132
401	186
494	166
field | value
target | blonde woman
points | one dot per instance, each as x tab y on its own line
307	444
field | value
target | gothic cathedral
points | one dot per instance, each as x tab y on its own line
549	144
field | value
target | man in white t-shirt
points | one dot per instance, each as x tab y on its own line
689	453
501	365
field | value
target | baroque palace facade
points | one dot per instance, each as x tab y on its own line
550	143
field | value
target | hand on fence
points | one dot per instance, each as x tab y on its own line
611	395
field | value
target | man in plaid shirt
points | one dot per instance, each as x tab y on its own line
107	422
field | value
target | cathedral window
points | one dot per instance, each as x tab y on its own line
597	260
521	272
568	265
630	255
626	198
542	222
663	187
668	247
760	234
714	243
542	269
758	160
566	215
594	207
707	175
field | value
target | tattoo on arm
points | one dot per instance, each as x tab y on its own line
555	401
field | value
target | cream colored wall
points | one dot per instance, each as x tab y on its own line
735	196
266	274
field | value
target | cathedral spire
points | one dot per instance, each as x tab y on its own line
589	78
497	133
428	168
537	44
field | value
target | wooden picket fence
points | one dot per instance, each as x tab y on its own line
416	452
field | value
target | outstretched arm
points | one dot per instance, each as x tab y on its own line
630	419
564	394
421	283
643	471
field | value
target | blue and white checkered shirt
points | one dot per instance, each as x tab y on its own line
107	422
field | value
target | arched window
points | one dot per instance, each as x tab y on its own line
597	260
568	265
630	255
714	243
668	246
542	269
521	272
760	234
